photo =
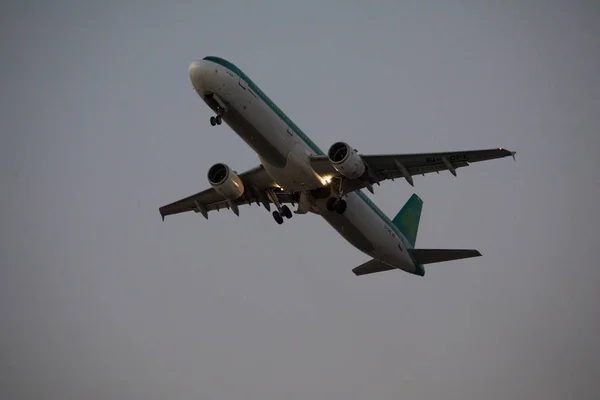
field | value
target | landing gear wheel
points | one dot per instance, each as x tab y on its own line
340	206
285	210
337	205
331	204
278	218
213	121
219	120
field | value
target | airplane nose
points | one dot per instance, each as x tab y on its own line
195	71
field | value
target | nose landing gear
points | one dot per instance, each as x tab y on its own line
218	119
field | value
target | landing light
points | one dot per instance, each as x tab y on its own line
326	179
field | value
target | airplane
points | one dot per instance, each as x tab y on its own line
293	170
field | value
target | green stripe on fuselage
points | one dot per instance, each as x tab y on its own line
309	143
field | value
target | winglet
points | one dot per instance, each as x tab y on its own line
512	153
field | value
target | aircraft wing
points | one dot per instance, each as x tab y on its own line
381	167
256	183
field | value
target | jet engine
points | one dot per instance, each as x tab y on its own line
225	181
346	160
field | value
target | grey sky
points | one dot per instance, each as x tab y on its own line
99	299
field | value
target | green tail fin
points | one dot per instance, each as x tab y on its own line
407	219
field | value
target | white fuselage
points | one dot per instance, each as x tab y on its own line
284	151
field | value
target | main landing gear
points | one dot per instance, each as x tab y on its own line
337	205
285	212
218	119
282	210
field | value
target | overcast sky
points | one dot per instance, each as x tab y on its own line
100	299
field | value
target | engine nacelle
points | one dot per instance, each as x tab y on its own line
346	160
225	181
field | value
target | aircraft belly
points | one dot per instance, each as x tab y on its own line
297	175
350	225
363	229
268	149
284	159
249	118
349	231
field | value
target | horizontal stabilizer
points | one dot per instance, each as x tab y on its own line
370	267
430	256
